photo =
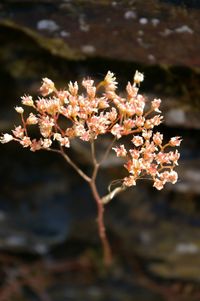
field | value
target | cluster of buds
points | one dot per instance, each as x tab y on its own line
97	110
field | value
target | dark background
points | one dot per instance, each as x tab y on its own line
49	246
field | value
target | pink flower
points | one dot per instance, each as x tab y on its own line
155	104
18	132
47	86
120	151
175	141
137	140
157	138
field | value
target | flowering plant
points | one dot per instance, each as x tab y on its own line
97	111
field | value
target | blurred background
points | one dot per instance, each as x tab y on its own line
49	246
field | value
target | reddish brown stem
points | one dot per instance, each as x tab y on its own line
101	227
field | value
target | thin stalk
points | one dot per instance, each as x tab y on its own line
71	163
107	255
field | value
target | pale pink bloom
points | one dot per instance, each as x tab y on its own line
162	158
79	129
18	132
131	90
27	100
47	86
73	88
147	134
57	136
65	142
103	103
139	121
175	141
137	140
157	138
19	110
26	141
32	119
85	136
135	154
35	145
45	124
158	184
138	77
6	138
110	82
112	115
173	177
130	181
174	156
46	143
152	170
117	130
88	84
155	104
120	151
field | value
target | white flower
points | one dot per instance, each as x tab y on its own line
19	110
6	138
138	77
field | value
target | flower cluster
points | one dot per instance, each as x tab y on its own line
96	110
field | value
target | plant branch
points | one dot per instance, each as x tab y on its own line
107	198
71	163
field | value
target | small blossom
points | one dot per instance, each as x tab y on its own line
27	100
120	151
138	77
65	142
155	104
73	88
19	110
129	181
26	141
110	82
6	138
157	138
46	143
47	86
32	119
137	140
158	184
18	132
175	141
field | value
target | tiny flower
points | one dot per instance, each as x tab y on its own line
73	88
47	86
18	132
27	100
120	151
19	110
158	184
65	142
46	143
129	181
138	77
6	138
110	82
35	145
32	119
173	177
155	104
26	141
57	137
157	138
137	140
175	141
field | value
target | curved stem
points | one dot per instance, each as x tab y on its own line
101	227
